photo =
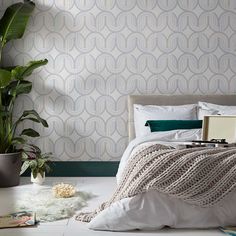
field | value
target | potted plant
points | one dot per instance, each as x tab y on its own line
38	164
12	84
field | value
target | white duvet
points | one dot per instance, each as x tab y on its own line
154	210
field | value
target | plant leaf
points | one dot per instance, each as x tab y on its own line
47	156
34	114
24	167
32	119
24	156
18	140
47	168
20	72
6	97
8	68
34	172
4	114
41	163
33	164
14	21
16	88
30	132
5	77
32	149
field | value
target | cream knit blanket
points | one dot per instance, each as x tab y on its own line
198	176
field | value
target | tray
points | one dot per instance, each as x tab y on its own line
219	127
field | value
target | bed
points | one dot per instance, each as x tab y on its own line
154	210
172	100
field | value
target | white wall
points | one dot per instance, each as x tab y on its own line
100	51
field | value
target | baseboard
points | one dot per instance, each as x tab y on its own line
81	168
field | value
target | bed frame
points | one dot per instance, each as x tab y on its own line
173	100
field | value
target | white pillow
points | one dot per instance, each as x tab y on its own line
214	109
205	112
151	112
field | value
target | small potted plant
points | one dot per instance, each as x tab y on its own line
12	84
37	162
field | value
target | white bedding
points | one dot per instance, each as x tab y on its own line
154	210
172	138
206	109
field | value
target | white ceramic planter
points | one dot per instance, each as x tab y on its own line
39	179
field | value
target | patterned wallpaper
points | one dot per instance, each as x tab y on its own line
100	51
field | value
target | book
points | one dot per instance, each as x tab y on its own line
230	230
18	219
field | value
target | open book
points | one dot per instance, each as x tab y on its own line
18	219
229	230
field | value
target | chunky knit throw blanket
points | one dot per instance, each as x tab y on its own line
198	176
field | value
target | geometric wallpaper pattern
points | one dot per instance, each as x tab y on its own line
100	51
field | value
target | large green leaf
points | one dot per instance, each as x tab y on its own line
6	97
16	88
14	21
20	72
9	68
5	78
30	132
29	114
4	114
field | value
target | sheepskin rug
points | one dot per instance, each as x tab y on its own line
49	208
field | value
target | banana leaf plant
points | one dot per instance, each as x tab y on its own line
13	82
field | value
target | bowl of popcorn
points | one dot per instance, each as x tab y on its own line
63	190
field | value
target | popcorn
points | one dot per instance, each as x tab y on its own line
63	190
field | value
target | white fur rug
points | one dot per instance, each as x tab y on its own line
47	207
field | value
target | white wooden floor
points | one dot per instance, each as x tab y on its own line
102	187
